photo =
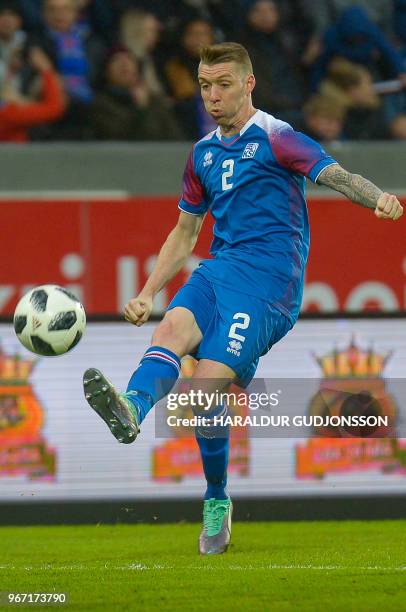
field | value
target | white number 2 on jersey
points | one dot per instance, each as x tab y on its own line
228	165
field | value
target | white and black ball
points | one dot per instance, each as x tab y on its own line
49	320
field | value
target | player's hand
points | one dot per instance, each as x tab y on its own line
388	207
138	310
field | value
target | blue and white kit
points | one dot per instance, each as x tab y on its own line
248	296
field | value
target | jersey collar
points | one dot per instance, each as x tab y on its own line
241	132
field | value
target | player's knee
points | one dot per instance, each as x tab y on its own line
164	331
170	332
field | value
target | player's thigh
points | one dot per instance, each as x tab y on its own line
243	329
188	315
178	331
236	330
276	326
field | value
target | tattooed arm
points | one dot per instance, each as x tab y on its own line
358	189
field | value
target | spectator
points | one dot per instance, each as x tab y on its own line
96	17
297	26
77	57
125	109
356	38
181	70
323	118
179	12
18	115
140	32
280	84
12	40
169	12
351	86
78	54
181	73
325	13
157	7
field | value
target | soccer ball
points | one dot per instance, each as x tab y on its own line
49	320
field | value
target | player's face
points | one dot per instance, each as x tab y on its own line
225	90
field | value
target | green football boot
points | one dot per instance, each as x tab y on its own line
216	534
115	409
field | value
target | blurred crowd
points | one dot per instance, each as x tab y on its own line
127	69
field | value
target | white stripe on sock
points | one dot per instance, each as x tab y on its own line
164	357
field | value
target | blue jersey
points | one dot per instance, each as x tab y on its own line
254	186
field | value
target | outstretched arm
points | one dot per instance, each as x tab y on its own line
358	189
172	257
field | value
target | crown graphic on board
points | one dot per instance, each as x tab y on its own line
353	362
15	368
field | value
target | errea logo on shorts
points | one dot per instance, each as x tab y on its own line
208	159
234	347
250	150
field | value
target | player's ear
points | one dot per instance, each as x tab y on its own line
250	83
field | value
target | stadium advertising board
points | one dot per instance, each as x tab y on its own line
53	447
346	270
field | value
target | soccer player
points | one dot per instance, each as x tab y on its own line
250	173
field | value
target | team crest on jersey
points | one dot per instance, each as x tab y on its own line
208	159
250	150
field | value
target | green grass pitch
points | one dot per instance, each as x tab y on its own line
270	566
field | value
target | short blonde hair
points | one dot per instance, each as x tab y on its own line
226	52
320	105
345	74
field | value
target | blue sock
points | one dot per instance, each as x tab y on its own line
214	445
153	379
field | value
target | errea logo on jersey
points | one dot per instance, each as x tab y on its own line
208	159
250	150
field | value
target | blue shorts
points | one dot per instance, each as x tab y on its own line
237	328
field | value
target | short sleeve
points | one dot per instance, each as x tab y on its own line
299	153
192	200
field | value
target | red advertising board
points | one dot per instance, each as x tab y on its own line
105	249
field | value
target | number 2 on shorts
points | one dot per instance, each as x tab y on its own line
244	325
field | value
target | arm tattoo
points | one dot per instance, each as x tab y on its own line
354	186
